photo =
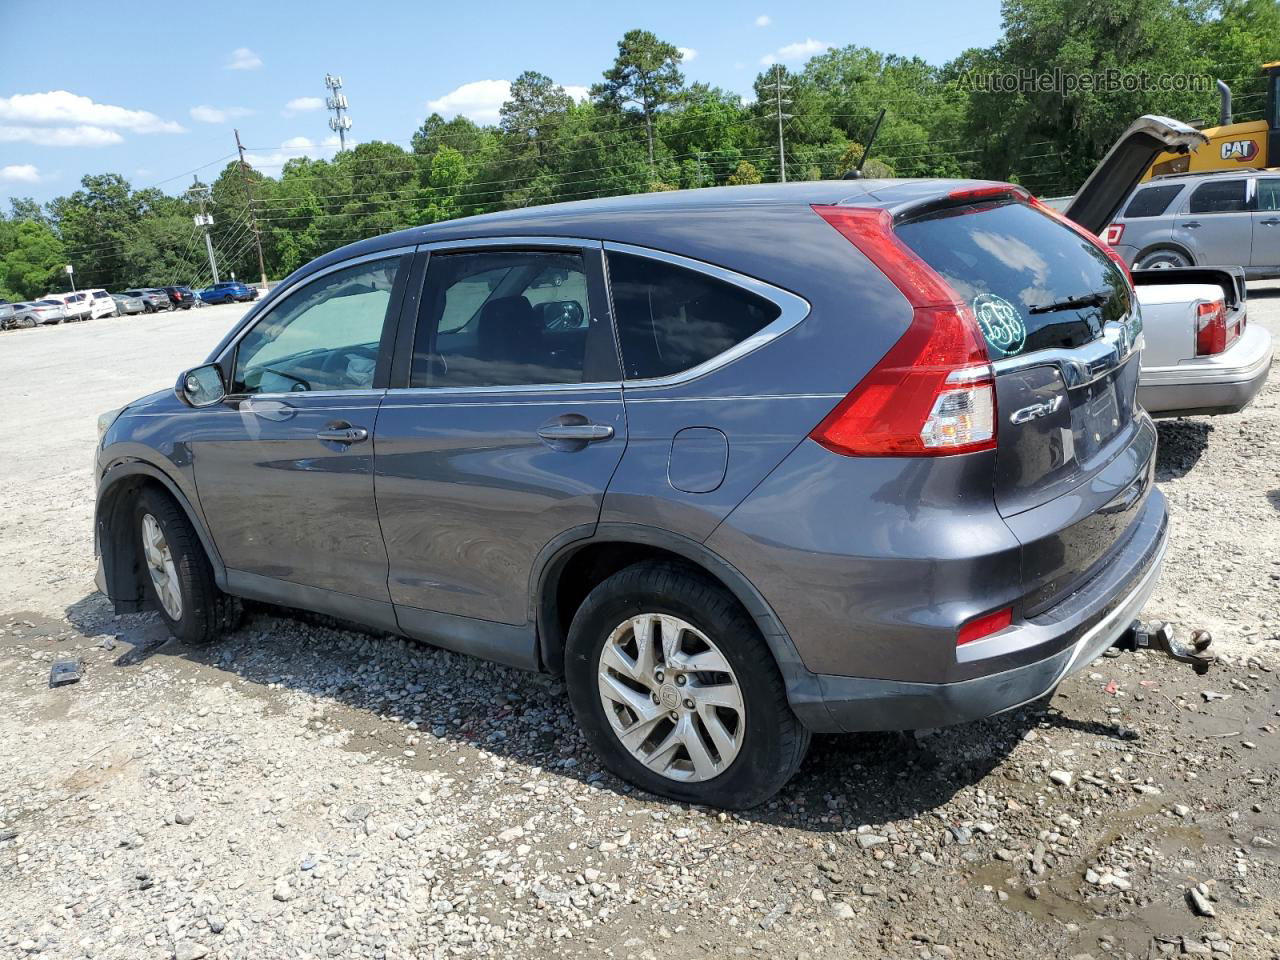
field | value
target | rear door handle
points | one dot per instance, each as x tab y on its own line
1269	222
343	433
1191	224
582	432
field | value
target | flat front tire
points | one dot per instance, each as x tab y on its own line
677	692
176	571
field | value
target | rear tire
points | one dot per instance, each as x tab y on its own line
178	575
1163	259
701	701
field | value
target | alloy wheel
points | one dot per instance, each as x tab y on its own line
160	564
671	697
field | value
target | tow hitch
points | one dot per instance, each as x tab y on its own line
1158	635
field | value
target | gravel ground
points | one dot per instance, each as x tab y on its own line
303	790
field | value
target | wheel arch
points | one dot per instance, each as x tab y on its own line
1165	244
122	575
569	571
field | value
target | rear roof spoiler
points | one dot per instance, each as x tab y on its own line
1099	198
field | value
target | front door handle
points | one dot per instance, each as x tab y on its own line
343	433
1269	222
581	432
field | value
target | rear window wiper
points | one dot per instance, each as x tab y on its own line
1096	299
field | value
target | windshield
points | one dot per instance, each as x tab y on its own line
1032	282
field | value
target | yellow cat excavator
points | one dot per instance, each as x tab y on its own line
1232	146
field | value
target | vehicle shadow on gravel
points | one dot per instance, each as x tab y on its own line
1182	444
386	682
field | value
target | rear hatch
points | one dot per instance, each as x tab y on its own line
1060	320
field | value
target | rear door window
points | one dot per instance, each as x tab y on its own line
1269	194
505	318
1024	274
671	319
1220	196
1152	201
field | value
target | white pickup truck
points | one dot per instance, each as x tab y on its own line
1200	354
1201	357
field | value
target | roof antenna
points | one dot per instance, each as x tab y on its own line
856	172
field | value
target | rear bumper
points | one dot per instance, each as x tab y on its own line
1072	634
1226	383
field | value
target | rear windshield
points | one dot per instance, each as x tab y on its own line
1019	269
1152	201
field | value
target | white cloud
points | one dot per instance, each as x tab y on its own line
480	100
578	93
242	58
19	173
208	114
794	52
687	54
293	148
302	105
61	108
763	20
81	136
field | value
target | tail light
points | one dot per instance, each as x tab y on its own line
933	393
1093	238
1212	335
1111	236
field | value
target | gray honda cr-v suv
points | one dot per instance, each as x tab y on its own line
741	463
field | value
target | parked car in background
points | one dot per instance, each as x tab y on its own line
6	314
181	297
100	303
153	300
884	528
167	301
1201	356
34	313
1224	218
127	305
229	291
76	306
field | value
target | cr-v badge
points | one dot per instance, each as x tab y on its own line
1036	411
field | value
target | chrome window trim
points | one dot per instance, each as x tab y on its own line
230	348
510	388
793	310
485	243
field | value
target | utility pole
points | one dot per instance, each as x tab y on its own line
337	102
253	219
199	193
779	103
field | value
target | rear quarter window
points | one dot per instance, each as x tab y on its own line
671	319
1152	201
1012	265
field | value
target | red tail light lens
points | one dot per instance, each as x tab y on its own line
1211	328
1088	235
1111	236
932	394
984	626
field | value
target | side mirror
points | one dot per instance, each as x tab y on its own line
201	386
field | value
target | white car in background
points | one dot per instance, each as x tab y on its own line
76	306
1201	355
100	303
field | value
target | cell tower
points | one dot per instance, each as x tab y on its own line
337	102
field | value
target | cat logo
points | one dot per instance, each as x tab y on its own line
1242	151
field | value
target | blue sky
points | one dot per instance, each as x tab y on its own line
152	93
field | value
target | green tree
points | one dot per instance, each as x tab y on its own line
645	74
31	259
